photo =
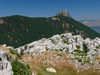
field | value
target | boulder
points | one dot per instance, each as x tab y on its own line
50	69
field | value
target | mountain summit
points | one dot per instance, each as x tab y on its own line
64	13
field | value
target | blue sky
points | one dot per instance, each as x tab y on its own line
78	9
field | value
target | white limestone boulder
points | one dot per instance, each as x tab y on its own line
50	69
5	65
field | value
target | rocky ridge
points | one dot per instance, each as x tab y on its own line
80	50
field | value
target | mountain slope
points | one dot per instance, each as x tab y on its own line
96	28
19	30
75	27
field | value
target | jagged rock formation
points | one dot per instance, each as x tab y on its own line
79	49
5	65
64	13
67	42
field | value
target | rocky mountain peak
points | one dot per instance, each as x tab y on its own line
64	13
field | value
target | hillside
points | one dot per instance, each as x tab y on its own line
19	30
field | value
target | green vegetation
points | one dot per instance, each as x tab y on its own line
83	57
22	52
85	49
79	28
78	52
77	46
25	47
31	46
20	30
59	55
79	59
83	54
62	36
98	46
20	69
15	53
65	41
61	50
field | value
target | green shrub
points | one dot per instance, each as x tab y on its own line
20	69
77	46
79	59
85	49
65	41
22	52
15	53
62	36
59	55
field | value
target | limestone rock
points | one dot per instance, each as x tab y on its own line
64	13
50	69
66	43
5	65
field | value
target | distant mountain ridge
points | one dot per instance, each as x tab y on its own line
19	30
91	22
96	28
94	24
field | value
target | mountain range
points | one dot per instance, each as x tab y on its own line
19	30
94	24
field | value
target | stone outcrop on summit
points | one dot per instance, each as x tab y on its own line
64	13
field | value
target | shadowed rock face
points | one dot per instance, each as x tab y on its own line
5	65
64	13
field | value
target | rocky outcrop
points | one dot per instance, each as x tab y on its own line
5	65
64	13
66	42
79	49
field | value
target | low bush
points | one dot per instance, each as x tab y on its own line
20	69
